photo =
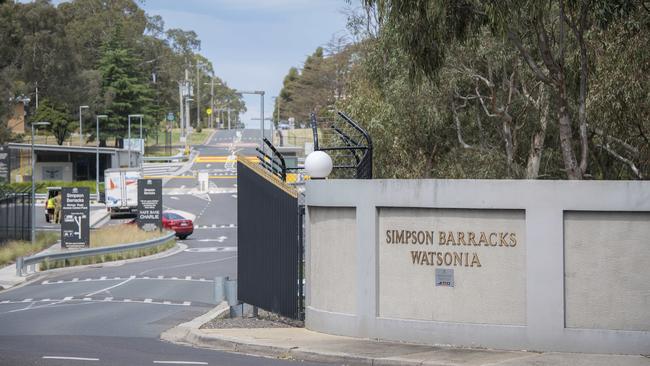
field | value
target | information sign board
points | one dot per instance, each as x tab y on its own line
75	217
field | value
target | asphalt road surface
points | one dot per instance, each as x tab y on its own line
113	315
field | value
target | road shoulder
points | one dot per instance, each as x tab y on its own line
304	345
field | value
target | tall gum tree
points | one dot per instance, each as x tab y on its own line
549	35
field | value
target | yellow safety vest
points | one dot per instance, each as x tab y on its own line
50	203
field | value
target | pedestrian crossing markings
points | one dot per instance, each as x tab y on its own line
222	159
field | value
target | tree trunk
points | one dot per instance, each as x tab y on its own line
507	137
537	142
564	119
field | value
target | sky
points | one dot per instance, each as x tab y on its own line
253	43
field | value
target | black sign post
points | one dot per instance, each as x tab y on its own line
75	218
150	204
5	167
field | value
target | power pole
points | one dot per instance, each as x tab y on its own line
212	100
198	95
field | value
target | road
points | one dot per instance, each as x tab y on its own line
113	315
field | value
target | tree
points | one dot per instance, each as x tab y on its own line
124	91
61	123
549	36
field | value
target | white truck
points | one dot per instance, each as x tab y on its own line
121	190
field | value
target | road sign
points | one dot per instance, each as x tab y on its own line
75	218
5	168
170	117
208	111
149	204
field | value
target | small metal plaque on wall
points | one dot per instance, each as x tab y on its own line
444	277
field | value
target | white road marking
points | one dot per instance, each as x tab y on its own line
102	277
46	299
187	303
189	264
174	198
188	277
234	195
110	287
75	279
70	358
45	282
181	362
27	300
108	298
87	299
67	298
148	300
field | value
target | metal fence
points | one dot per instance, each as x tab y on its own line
269	236
15	213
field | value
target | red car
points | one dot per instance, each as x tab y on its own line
182	226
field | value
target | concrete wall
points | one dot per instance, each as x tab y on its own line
53	171
538	265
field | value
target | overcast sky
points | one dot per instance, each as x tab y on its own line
253	43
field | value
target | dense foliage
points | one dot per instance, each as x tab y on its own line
549	89
108	55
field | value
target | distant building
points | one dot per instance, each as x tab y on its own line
66	163
16	122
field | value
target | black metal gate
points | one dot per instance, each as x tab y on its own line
269	261
15	213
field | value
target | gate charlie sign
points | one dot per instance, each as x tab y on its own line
149	204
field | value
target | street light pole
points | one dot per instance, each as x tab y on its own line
129	118
129	134
81	124
97	156
33	223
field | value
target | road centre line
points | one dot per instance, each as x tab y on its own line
158	278
189	264
92	300
70	358
181	362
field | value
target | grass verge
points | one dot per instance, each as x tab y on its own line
120	234
11	250
42	188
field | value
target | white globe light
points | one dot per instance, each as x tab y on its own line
318	164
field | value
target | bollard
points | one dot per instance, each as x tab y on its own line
231	292
19	266
219	289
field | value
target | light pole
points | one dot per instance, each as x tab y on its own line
97	157
81	124
33	236
261	94
129	134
